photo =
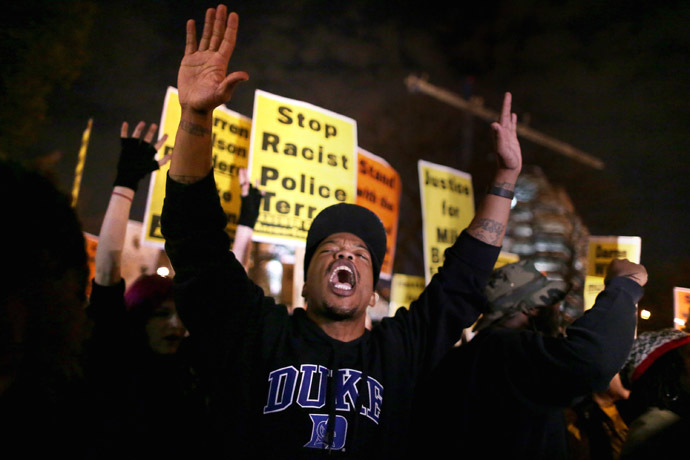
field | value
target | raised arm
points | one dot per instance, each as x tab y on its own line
136	161
249	213
626	269
192	220
595	346
491	218
202	86
454	298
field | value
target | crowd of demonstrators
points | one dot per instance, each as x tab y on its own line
206	365
505	390
316	382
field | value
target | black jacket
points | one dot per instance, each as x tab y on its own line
503	393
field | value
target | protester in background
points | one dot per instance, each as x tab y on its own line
42	320
657	373
596	430
137	350
316	382
503	392
148	314
146	395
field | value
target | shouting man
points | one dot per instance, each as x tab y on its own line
317	381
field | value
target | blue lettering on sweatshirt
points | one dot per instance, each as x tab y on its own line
313	384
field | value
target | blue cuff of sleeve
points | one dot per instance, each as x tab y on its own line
631	287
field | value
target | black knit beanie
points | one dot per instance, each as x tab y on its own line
350	218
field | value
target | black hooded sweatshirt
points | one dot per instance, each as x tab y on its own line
281	387
502	394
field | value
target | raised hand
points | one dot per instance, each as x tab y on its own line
628	269
505	135
137	154
202	82
490	220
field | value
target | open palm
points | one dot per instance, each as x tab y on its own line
202	81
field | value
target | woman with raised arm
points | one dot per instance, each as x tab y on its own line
146	394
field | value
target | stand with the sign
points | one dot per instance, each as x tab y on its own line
379	190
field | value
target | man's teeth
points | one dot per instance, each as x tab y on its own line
335	278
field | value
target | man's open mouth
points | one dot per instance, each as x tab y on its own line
343	278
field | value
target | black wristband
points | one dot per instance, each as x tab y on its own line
503	192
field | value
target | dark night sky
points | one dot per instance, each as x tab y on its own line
610	78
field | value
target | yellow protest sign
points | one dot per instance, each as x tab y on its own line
379	189
404	290
681	307
600	252
304	158
230	144
447	209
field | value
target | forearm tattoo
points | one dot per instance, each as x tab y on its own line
487	230
185	179
505	185
194	129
